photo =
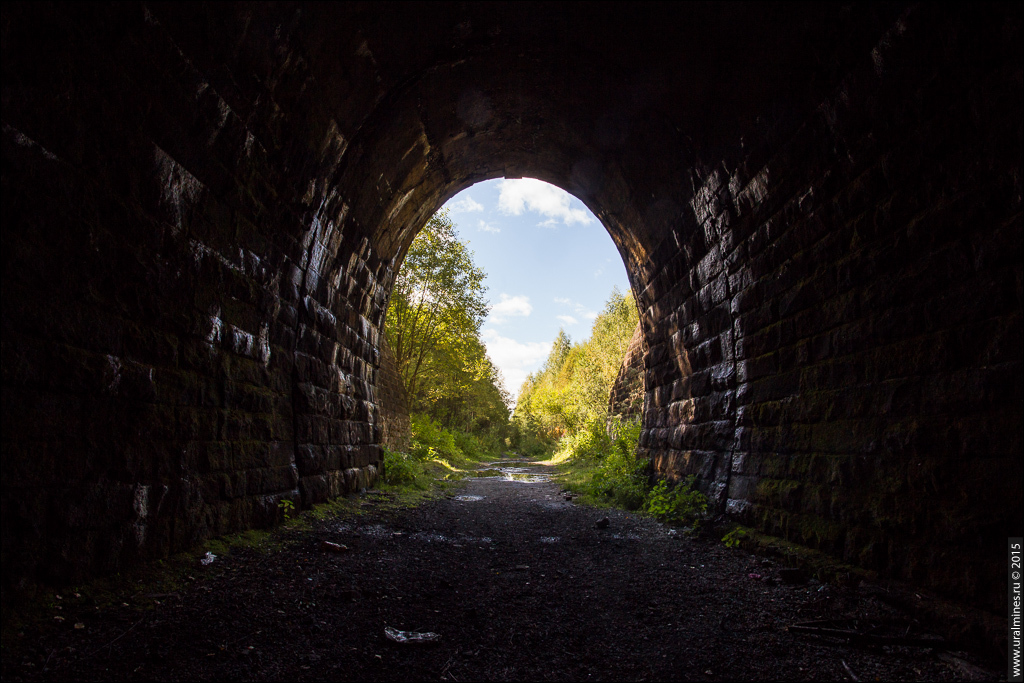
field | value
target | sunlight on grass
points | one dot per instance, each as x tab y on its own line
557	458
604	471
435	454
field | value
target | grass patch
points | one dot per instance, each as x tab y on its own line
437	456
605	472
262	540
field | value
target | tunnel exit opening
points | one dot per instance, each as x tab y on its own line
503	269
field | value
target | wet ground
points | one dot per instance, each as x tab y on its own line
516	582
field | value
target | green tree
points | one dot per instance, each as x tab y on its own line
436	304
433	325
571	389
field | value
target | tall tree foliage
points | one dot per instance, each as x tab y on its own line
572	387
433	325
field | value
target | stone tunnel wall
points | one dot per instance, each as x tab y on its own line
837	351
395	424
190	328
626	401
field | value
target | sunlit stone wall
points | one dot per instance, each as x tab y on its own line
835	349
626	401
394	402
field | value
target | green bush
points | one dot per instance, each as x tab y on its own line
430	440
628	437
591	442
679	502
525	437
492	442
622	478
469	445
619	476
530	445
616	476
398	468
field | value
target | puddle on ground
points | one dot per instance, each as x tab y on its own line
520	474
381	531
434	537
468	499
487	473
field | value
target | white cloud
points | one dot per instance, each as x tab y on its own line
484	226
464	205
579	308
585	312
514	379
514	359
529	194
510	306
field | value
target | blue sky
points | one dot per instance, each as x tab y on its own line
550	264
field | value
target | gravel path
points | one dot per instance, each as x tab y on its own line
518	583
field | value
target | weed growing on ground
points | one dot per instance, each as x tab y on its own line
620	477
679	503
734	537
287	508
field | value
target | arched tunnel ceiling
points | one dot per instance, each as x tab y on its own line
579	96
575	95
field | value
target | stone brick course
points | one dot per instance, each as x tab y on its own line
394	402
626	400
